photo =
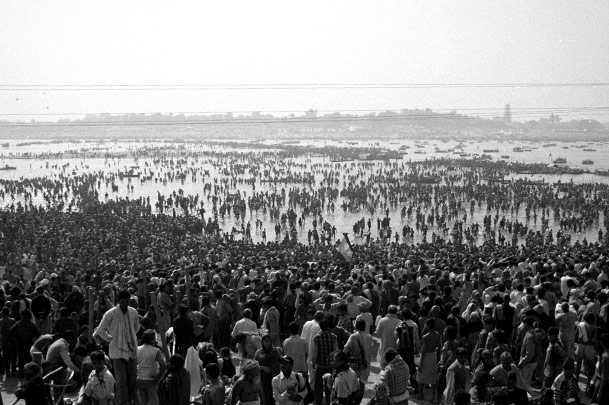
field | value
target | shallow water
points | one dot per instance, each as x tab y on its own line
343	220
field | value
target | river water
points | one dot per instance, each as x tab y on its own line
414	150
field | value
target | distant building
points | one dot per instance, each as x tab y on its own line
311	113
507	114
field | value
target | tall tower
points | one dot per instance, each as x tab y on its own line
507	114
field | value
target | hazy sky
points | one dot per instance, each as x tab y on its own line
327	41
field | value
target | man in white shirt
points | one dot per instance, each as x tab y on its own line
310	329
245	325
119	327
289	388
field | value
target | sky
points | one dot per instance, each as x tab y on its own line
227	43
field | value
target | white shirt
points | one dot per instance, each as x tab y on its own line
309	330
244	325
281	384
120	329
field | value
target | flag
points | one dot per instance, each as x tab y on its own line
344	248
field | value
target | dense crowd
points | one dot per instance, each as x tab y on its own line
146	305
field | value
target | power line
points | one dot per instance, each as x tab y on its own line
280	86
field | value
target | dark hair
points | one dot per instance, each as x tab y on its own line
149	337
123	295
294	328
176	362
390	355
212	370
360	325
98	355
462	398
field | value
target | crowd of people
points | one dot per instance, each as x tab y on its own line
150	305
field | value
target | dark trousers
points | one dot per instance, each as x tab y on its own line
125	375
318	386
23	357
409	359
9	359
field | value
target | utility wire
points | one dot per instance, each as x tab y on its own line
280	86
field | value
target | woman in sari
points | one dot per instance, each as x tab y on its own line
431	342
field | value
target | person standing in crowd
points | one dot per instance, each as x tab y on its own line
311	328
409	343
100	386
528	352
396	378
150	368
174	386
565	386
270	320
58	353
247	390
119	327
344	385
268	359
41	308
23	334
9	356
566	321
457	376
324	345
289	387
33	391
358	347
183	331
428	368
602	390
244	325
213	393
385	331
555	358
296	347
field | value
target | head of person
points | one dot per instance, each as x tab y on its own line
267	342
98	359
341	361
149	337
360	325
123	300
506	360
247	313
390	355
251	371
286	364
31	371
176	362
212	371
293	328
553	334
462	355
486	357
